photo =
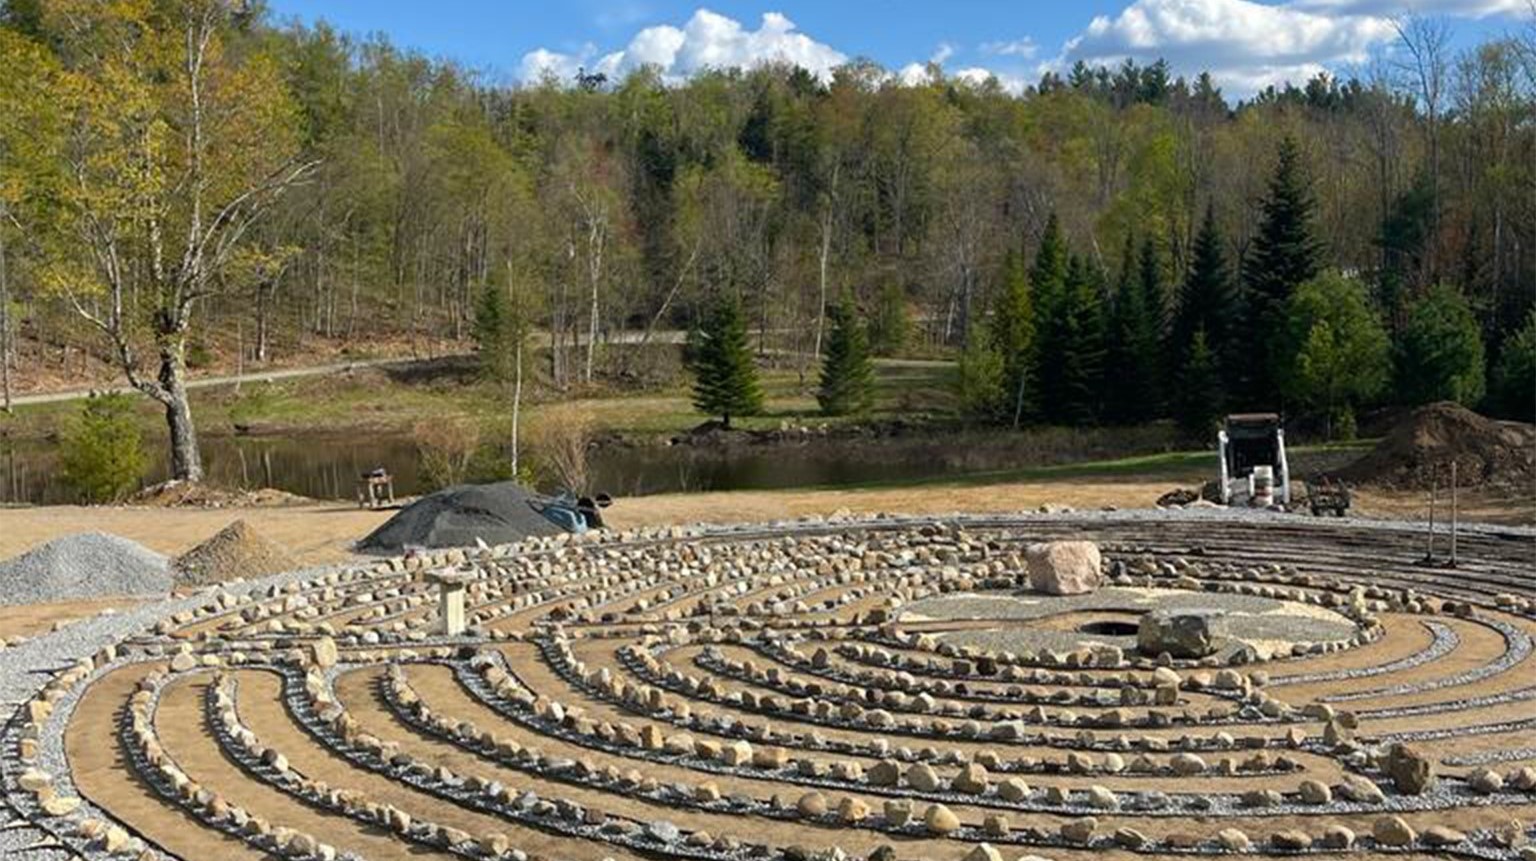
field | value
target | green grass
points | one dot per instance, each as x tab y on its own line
1185	466
371	401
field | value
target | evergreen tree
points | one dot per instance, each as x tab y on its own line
1199	401
1048	276
1440	351
891	327
1207	301
101	453
1514	377
493	334
847	376
1285	253
1013	339
1134	353
980	386
1078	360
725	377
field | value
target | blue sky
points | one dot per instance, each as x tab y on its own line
1247	43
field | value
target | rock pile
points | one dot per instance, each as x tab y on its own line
83	566
237	552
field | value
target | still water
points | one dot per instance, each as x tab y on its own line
328	467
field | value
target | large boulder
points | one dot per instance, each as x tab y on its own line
1187	633
1063	567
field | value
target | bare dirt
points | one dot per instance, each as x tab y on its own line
238	552
1419	451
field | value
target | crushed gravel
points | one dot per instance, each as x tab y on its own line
237	552
86	565
499	513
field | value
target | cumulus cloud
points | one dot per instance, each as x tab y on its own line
1248	45
708	40
1454	8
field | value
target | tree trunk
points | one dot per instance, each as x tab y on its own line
5	332
517	405
186	460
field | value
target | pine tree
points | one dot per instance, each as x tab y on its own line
1048	276
492	334
1199	401
1048	279
847	376
725	377
980	386
1208	301
1134	354
1013	339
891	326
1079	357
1285	253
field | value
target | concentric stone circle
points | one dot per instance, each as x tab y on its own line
790	690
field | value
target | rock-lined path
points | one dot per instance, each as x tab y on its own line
880	688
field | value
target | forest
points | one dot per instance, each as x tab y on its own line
1111	245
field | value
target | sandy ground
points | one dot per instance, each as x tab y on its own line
323	533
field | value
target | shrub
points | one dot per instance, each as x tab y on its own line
560	438
447	448
101	451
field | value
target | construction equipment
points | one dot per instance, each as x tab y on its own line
1327	494
1254	471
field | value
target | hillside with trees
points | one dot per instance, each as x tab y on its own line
180	178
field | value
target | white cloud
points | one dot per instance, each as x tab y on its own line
1392	8
913	74
1024	48
977	76
942	53
708	40
1248	45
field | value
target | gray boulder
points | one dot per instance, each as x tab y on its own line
1188	633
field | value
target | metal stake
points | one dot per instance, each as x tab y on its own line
1455	521
1429	550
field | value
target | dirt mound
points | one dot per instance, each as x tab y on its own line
499	513
186	494
237	552
87	565
1419	451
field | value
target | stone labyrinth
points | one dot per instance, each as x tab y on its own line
886	688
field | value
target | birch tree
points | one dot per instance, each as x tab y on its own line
178	142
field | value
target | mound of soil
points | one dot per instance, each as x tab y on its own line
499	513
237	552
1419	451
87	565
188	494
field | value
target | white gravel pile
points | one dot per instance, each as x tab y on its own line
87	565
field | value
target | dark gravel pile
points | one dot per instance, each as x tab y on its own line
87	565
237	552
498	513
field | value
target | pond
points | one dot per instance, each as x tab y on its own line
326	467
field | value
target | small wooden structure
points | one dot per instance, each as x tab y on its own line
376	489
